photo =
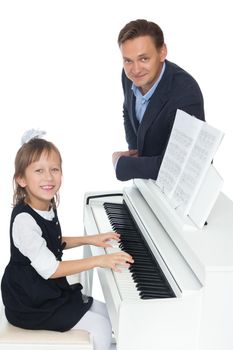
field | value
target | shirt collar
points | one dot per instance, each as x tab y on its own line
48	215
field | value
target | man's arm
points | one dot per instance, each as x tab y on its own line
117	155
138	167
147	167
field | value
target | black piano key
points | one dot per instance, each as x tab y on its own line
139	268
154	296
136	246
145	271
156	292
146	274
121	228
143	264
141	273
148	283
148	280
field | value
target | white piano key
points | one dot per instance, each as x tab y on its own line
125	283
113	243
111	250
101	219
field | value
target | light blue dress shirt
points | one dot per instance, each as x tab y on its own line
143	100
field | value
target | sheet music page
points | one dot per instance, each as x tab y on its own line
197	166
183	136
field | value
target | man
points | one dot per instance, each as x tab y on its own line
154	89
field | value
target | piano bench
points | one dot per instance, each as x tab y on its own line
12	337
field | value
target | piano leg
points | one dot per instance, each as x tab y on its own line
87	276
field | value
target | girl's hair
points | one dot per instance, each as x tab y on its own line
28	153
141	27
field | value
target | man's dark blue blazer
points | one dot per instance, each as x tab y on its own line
176	90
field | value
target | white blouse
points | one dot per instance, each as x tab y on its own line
27	237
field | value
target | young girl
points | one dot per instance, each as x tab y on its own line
35	291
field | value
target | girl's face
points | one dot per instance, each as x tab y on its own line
42	180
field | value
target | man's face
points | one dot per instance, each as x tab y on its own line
142	61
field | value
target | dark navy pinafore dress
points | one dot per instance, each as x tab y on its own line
33	302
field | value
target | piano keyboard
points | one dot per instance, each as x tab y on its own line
149	280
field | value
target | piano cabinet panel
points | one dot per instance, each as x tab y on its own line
111	296
217	311
160	324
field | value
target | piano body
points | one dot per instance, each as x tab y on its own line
190	305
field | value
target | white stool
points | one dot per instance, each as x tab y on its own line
12	337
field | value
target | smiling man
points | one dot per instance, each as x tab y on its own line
154	88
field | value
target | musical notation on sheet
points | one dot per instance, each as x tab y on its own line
189	153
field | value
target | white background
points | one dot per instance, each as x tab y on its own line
60	71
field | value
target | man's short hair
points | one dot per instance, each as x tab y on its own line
141	27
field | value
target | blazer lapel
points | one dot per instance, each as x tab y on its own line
132	112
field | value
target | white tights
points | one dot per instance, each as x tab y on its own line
96	321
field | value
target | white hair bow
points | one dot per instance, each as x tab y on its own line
32	134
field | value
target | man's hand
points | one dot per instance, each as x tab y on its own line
129	153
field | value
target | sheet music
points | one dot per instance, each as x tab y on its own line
198	163
179	147
188	156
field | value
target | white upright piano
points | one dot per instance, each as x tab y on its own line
179	293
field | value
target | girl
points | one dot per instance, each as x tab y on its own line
35	291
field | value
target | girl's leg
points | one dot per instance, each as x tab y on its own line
96	321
